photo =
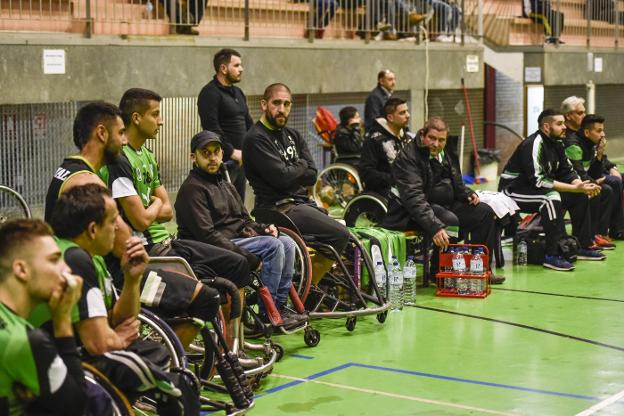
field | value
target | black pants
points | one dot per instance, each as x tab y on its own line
616	223
551	205
312	221
601	210
237	176
209	261
542	12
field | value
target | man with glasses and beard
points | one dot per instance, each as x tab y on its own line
279	166
222	108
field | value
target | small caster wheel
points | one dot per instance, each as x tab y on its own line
279	350
381	317
267	331
350	324
312	337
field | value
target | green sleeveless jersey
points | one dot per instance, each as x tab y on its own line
136	173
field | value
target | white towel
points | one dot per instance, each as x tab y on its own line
500	203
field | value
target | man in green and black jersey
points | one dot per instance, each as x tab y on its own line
84	221
37	371
134	181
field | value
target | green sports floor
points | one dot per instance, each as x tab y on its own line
543	343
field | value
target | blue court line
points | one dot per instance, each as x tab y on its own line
305	357
429	375
469	381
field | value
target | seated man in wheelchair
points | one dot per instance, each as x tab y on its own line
37	371
382	144
348	139
84	222
208	209
433	197
279	167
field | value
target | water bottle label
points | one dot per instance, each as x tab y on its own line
476	266
459	264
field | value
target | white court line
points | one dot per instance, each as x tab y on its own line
396	396
599	406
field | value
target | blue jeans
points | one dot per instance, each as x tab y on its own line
278	263
448	16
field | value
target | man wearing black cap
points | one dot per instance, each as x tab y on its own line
208	209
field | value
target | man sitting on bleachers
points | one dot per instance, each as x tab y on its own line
540	178
382	144
433	197
541	11
586	151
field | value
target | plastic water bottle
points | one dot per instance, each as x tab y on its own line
449	282
409	282
459	266
396	285
476	268
380	277
522	253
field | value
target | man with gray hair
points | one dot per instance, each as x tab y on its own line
573	110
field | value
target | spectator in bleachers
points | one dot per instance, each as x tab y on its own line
392	18
324	12
586	151
222	108
433	197
573	110
540	178
187	14
348	140
382	144
448	15
373	108
541	11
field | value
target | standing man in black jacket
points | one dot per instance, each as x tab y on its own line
373	108
279	166
382	144
222	108
433	197
540	178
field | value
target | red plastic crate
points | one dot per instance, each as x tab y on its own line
447	280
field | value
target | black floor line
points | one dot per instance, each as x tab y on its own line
533	328
558	294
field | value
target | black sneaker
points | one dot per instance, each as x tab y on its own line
589	254
496	280
292	319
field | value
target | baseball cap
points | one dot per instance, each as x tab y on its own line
202	138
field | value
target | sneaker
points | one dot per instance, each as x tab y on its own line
557	263
496	280
603	242
589	254
292	319
415	18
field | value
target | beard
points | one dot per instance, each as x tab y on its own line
283	119
231	78
111	155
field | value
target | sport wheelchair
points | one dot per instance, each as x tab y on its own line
337	294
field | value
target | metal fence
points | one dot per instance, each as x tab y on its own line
347	19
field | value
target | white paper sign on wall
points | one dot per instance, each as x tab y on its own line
597	64
53	61
472	63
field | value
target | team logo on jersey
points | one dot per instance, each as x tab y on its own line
62	174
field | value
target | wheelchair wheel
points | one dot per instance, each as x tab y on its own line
12	205
120	404
335	186
155	329
303	264
367	209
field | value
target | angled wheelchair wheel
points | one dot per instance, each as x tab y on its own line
366	209
12	205
117	400
303	264
335	186
155	329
